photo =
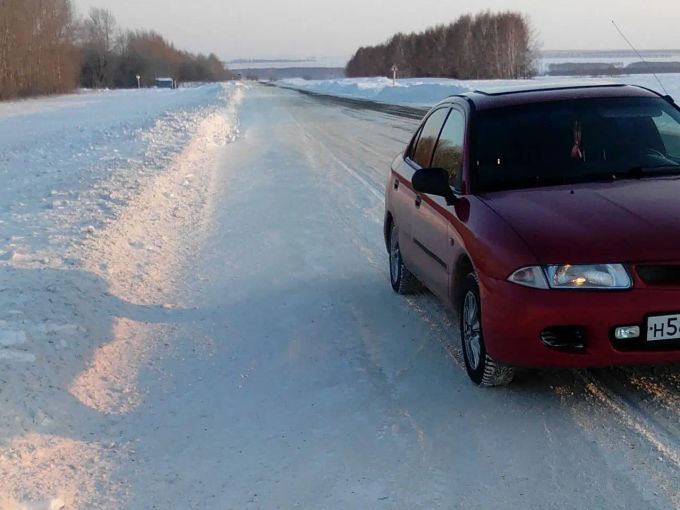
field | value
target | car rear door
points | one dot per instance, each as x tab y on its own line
432	232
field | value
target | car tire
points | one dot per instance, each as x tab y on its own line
403	281
481	368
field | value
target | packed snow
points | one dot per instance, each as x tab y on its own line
425	92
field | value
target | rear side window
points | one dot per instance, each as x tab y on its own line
449	151
422	153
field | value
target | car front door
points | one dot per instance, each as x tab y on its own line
406	200
431	226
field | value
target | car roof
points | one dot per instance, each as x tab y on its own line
501	96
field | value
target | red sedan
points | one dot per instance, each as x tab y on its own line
549	219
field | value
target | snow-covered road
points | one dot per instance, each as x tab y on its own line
239	346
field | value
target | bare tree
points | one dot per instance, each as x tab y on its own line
37	55
486	45
101	28
43	51
98	34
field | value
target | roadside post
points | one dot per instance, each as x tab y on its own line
139	82
395	69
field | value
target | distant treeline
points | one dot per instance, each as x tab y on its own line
45	49
483	46
611	69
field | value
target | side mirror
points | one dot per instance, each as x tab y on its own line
433	181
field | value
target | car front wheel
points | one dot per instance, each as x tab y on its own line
482	368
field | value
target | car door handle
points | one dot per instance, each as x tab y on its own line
396	184
419	200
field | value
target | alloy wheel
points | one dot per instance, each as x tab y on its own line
395	256
472	331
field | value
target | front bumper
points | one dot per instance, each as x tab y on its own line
513	318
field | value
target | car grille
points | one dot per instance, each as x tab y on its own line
660	275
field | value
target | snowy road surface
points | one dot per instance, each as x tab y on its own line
226	337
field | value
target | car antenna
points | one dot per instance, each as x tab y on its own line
668	96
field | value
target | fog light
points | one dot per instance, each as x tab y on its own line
627	332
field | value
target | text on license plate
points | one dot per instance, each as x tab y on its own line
663	327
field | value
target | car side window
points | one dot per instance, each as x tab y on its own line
428	137
449	151
414	142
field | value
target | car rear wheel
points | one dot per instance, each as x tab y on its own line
402	280
482	368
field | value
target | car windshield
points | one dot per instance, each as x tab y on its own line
572	141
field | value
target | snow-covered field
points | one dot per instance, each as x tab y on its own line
283	63
424	92
195	312
623	59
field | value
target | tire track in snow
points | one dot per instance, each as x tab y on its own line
321	148
408	112
633	414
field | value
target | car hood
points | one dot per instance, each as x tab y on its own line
624	221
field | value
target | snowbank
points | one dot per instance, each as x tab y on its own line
416	92
429	91
98	188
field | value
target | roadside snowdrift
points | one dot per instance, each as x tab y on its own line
405	92
429	91
100	188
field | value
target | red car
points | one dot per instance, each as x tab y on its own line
549	219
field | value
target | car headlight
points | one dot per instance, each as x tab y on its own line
567	276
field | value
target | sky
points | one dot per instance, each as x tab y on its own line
314	28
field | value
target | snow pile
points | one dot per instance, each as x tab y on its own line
382	90
429	91
97	190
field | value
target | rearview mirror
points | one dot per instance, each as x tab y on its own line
433	181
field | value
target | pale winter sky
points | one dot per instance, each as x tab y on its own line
335	28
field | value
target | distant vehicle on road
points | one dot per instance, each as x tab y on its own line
549	219
166	83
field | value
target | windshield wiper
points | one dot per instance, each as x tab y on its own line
636	172
639	172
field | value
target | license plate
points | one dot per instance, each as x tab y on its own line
663	327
